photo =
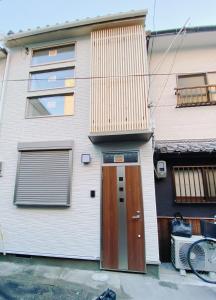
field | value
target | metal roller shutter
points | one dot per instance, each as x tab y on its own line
43	178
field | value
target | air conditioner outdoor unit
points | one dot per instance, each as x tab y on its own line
179	251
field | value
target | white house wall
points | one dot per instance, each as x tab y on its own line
75	231
173	123
2	68
2	71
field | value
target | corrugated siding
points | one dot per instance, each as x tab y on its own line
118	89
43	178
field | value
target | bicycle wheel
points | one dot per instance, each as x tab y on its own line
202	259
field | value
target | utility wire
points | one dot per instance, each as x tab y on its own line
170	70
153	37
100	77
156	69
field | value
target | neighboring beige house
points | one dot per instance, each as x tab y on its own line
184	110
76	146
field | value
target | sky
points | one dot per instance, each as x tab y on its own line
24	14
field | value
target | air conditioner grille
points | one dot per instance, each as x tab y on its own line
198	256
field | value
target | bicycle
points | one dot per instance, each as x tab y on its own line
202	254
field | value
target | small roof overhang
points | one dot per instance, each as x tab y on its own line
3	53
185	146
125	136
193	39
78	27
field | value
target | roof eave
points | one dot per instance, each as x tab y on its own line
86	25
174	31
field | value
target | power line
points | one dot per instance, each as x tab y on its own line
101	77
163	105
152	46
170	70
156	69
170	46
153	38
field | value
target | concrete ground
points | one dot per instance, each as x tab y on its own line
29	281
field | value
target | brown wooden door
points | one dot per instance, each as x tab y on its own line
135	219
122	219
109	219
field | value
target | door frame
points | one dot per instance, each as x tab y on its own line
101	202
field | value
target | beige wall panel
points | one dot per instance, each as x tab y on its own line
118	87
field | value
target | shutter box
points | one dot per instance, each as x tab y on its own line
43	177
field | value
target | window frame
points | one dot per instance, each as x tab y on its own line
48	67
191	75
48	46
49	95
206	199
51	70
208	101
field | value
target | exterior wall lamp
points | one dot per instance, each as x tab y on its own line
85	159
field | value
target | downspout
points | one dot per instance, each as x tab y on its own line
2	238
4	82
1	115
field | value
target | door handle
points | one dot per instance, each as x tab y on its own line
136	217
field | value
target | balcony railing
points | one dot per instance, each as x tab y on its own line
196	95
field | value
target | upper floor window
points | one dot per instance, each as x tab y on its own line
53	54
196	89
58	79
52	79
55	105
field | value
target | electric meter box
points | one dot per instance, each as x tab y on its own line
161	169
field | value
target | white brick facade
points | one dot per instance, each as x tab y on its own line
71	232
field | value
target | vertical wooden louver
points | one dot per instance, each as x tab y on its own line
118	87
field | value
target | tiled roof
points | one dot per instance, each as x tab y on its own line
79	22
184	146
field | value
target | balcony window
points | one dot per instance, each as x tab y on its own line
52	55
57	105
196	89
54	79
192	90
195	184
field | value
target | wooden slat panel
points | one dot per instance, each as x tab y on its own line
164	234
109	219
195	184
136	251
118	98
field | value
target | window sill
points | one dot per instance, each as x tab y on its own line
197	202
53	89
196	104
52	116
73	60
